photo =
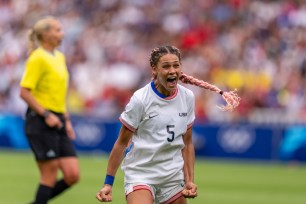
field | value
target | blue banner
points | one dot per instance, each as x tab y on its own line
93	134
236	141
12	132
240	141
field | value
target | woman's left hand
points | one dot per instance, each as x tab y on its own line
69	130
190	190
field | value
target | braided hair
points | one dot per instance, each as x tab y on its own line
231	97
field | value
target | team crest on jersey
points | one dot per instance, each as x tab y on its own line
182	114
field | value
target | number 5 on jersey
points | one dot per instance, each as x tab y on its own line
171	138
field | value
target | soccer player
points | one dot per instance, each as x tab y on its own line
47	125
157	123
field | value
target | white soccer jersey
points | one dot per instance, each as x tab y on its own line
158	124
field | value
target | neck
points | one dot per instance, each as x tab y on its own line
48	47
162	90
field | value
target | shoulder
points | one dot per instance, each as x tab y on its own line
142	93
141	96
36	56
59	54
187	92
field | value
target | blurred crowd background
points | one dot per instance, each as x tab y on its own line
256	47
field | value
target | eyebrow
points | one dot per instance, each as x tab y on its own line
167	62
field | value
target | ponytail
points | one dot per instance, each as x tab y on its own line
231	98
32	41
35	35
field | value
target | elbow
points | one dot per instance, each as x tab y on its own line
21	93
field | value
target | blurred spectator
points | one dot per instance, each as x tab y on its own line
258	47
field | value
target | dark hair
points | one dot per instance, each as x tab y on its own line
158	52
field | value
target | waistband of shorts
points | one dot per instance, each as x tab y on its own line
61	115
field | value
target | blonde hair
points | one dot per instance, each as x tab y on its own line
35	34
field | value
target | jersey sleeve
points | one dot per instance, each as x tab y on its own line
132	114
190	114
32	73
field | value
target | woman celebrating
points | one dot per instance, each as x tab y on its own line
157	123
48	127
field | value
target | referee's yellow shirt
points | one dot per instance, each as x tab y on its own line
47	77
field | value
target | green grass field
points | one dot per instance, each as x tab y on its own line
219	182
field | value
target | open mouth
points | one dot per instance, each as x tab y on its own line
172	81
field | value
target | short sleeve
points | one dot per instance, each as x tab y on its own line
32	73
190	114
132	114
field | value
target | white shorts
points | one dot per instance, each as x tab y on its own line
161	193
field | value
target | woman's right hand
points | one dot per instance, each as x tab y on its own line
105	194
53	121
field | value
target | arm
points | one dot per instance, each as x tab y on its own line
51	119
68	125
190	190
115	159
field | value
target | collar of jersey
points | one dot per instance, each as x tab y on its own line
49	52
160	94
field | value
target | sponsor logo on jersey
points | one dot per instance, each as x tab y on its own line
182	114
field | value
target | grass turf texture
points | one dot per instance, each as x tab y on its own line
219	182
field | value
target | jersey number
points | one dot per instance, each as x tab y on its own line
171	138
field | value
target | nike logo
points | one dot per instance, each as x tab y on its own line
152	115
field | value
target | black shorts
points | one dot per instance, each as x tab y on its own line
47	143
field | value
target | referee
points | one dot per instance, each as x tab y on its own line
48	127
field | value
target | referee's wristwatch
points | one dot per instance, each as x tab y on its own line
46	113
